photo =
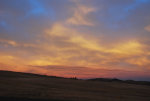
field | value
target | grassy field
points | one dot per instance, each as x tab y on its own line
31	87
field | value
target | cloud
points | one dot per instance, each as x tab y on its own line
128	48
73	41
8	42
86	72
147	28
81	13
139	61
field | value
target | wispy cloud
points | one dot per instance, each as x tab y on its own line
80	14
147	28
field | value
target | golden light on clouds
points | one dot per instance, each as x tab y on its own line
85	38
139	61
85	43
128	48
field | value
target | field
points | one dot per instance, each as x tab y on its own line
15	86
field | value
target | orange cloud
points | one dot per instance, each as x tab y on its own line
73	48
147	28
127	48
139	61
8	42
68	46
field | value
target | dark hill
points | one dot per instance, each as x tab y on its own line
11	74
16	86
121	81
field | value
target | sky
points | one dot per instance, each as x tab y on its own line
76	38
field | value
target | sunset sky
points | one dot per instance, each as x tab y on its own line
82	38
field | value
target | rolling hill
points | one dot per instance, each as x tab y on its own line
16	86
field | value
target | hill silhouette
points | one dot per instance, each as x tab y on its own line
121	81
16	86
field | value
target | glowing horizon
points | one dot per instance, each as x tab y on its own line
82	38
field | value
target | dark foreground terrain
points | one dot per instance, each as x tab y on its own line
16	86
